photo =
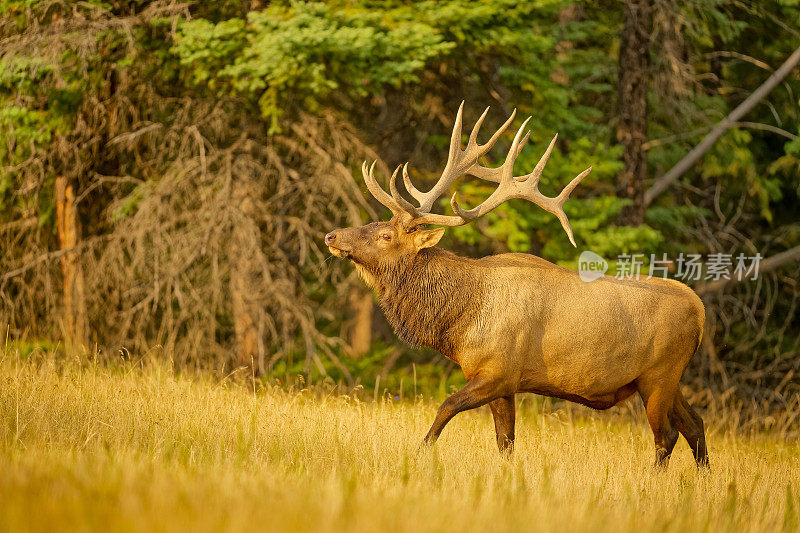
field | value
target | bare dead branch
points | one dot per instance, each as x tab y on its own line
662	183
767	265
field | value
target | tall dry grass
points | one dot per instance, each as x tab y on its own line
93	447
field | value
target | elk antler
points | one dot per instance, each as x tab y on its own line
460	162
393	203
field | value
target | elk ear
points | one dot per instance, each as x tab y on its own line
428	237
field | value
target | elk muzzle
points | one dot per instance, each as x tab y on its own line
334	241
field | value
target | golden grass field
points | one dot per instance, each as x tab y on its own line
135	448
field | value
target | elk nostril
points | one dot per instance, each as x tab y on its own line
330	238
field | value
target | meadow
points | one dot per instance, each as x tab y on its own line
136	447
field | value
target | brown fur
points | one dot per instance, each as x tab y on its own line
422	297
517	323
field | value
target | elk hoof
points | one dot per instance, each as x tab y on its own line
426	444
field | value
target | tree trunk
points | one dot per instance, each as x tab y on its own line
568	14
76	323
241	284
358	330
634	60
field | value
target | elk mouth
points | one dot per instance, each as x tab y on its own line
338	252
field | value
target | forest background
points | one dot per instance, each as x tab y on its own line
168	170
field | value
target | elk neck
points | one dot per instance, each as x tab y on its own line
429	299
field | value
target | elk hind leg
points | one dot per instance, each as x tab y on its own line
690	425
658	400
504	413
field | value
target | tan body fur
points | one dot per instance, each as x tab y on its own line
551	333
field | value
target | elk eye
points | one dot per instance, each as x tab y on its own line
386	237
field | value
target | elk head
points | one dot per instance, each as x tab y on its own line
382	244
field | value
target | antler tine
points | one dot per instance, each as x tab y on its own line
536	173
413	191
490	143
450	172
405	204
560	200
455	136
427	199
378	192
473	137
517	146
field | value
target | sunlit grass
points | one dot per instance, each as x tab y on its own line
87	446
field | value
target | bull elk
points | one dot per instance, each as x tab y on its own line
516	323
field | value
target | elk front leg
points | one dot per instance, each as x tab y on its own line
478	391
503	411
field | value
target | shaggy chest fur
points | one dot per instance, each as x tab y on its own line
429	300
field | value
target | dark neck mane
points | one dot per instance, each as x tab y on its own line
429	299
